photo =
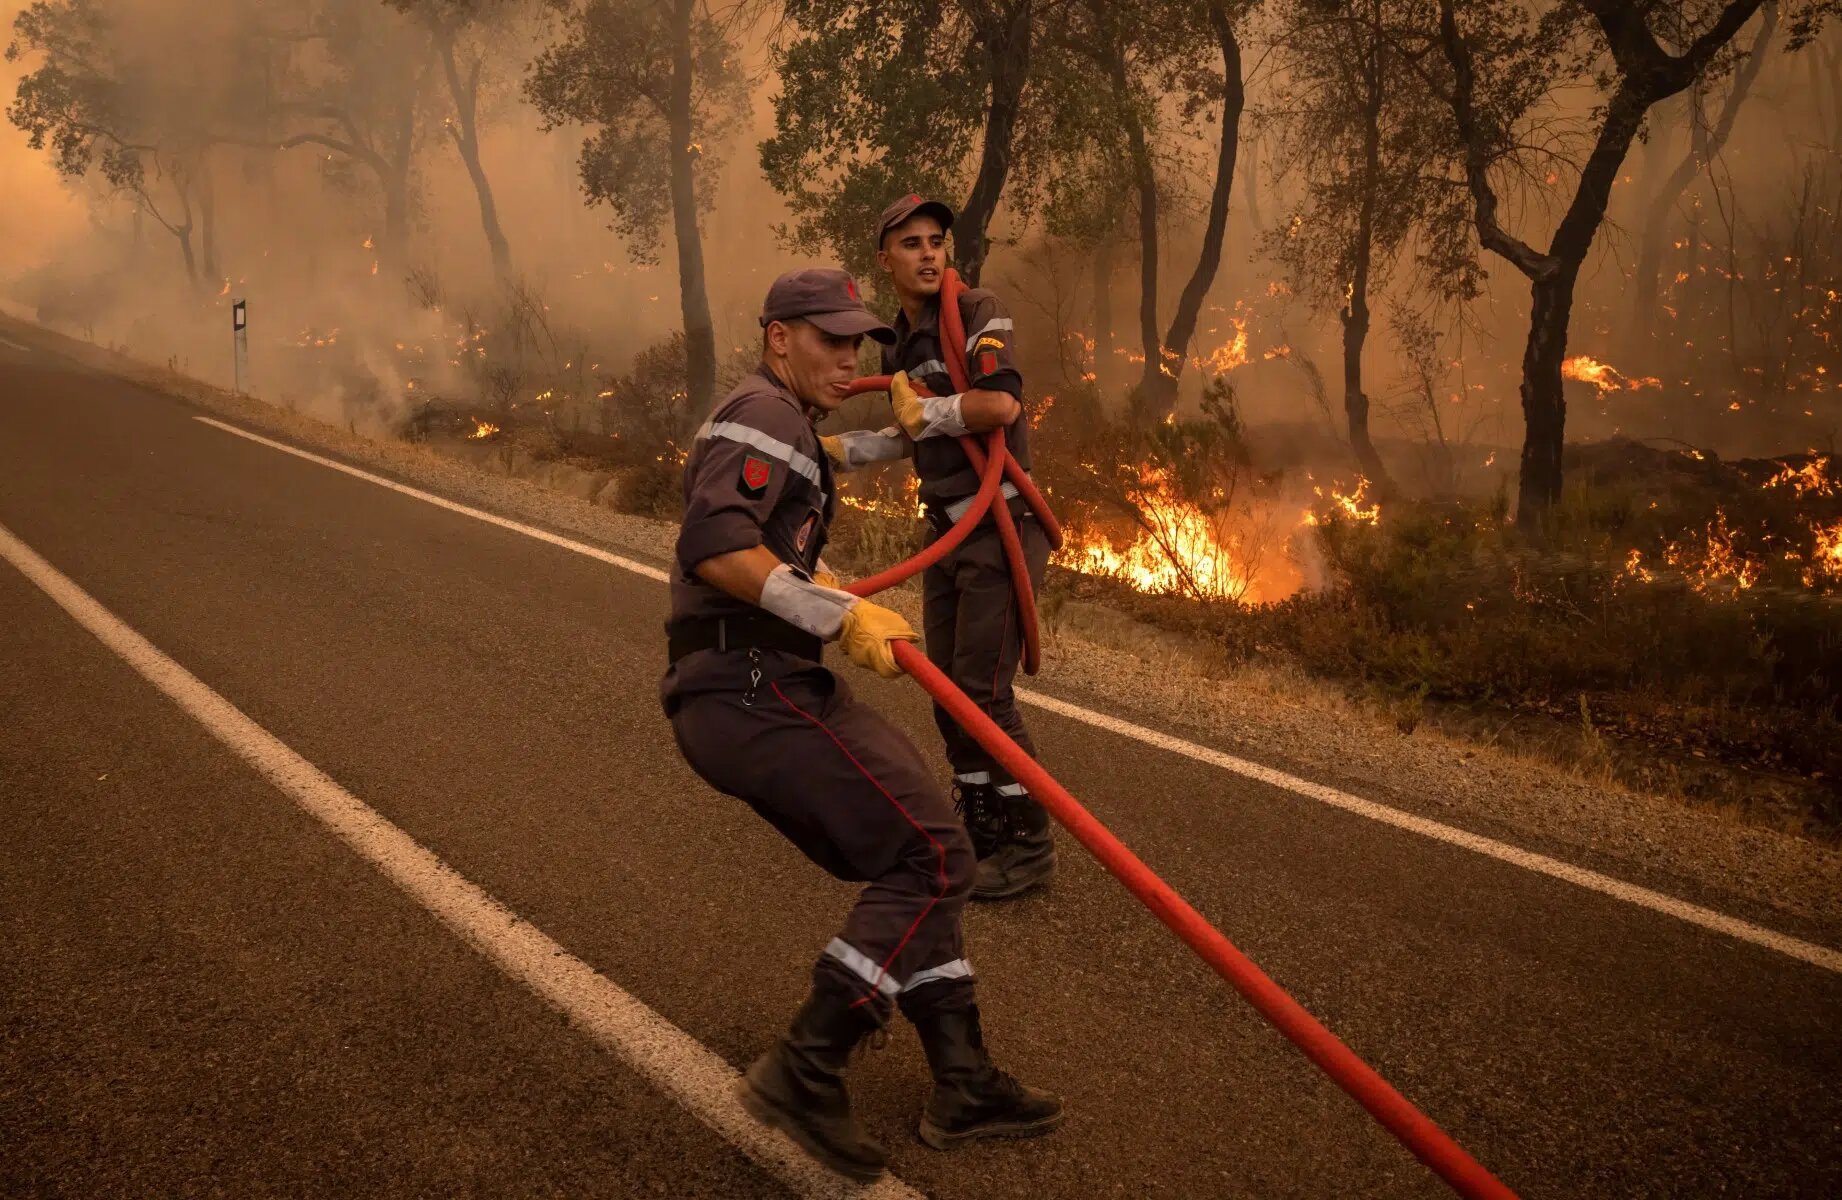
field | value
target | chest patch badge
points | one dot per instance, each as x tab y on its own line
756	471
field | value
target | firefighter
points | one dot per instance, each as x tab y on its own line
758	717
969	605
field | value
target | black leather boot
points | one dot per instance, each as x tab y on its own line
1024	856
973	1099
798	1086
981	810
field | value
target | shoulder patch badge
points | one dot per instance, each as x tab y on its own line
756	472
988	362
988	341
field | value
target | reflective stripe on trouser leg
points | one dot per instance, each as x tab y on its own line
862	966
959	968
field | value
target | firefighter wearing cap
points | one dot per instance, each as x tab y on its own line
969	605
759	718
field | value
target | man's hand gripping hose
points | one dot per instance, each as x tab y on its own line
1430	1144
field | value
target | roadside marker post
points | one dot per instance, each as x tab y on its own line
239	326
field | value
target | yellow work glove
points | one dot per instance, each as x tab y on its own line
834	450
909	413
825	578
868	630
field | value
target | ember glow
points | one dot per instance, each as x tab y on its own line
1229	355
1814	478
1604	376
907	504
1712	565
1353	505
1826	559
482	429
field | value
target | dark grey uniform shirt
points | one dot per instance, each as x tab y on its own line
945	473
756	476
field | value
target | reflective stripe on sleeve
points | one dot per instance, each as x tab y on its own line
748	435
932	366
991	326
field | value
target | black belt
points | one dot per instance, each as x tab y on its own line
741	632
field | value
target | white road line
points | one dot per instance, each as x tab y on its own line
670	1059
614	560
1682	910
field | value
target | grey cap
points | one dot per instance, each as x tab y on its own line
829	299
907	207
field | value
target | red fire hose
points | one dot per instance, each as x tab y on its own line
1430	1144
996	453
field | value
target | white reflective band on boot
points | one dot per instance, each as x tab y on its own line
1010	789
861	966
958	508
974	777
817	609
959	968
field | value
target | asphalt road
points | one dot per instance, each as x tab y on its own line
204	991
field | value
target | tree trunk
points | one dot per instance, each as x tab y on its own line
1544	403
1147	185
465	132
1007	52
184	236
390	248
1161	381
1103	312
394	173
207	219
1356	310
694	300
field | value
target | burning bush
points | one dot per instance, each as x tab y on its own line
1175	509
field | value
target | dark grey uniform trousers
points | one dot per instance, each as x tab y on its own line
969	616
847	788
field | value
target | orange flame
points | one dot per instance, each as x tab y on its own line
1177	551
1348	506
1604	376
1714	568
1812	477
481	429
1826	559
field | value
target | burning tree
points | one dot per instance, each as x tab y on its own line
1502	68
659	85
